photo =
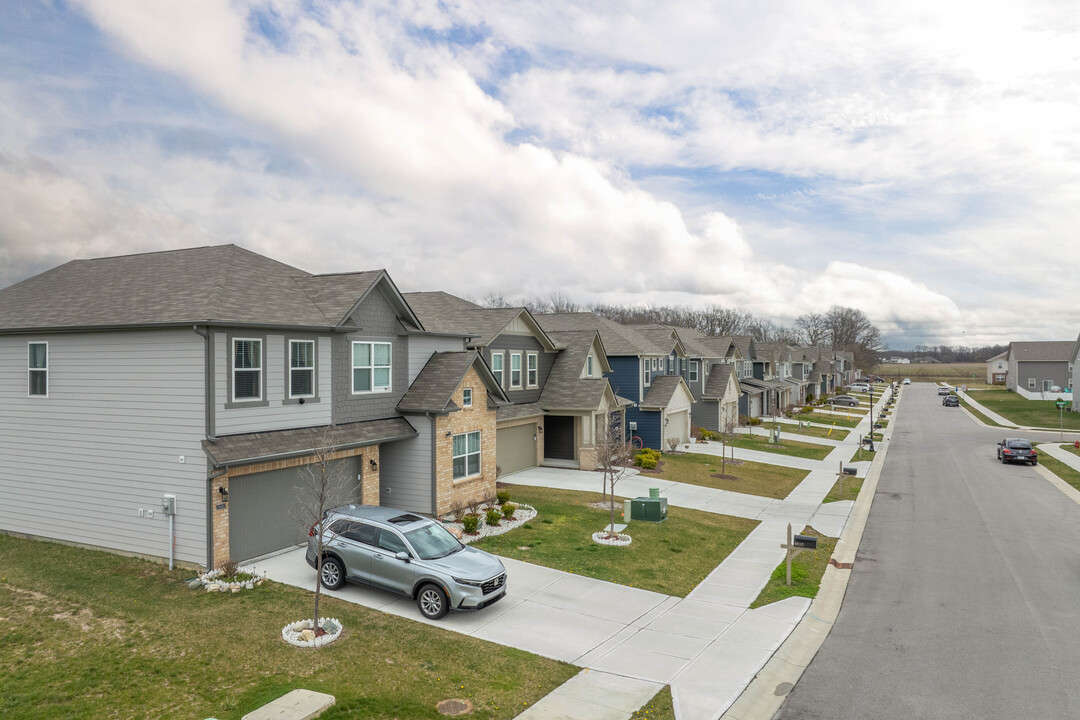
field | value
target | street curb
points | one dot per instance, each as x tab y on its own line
765	694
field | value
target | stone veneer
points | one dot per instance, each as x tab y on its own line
453	494
369	490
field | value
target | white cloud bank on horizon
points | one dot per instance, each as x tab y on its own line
436	193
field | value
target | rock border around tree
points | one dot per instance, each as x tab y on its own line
603	538
210	581
300	633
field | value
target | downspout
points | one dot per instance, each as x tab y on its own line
208	429
434	466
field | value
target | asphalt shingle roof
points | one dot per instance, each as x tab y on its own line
445	313
717	386
433	388
565	389
661	392
1042	351
619	340
261	446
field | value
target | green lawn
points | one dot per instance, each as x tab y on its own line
1071	448
838	420
1063	471
87	634
670	557
814	431
659	708
1030	413
852	486
787	446
749	477
967	406
807	570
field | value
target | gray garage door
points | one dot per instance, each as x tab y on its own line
515	448
262	517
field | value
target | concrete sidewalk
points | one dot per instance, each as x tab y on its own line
1054	450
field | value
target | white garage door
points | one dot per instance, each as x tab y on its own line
678	426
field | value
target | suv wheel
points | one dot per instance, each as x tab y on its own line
333	574
432	602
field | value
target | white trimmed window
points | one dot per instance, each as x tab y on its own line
515	370
588	366
371	367
247	369
693	371
301	368
1031	383
648	372
466	455
37	364
532	370
466	397
497	368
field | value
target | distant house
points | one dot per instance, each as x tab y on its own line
997	368
1039	367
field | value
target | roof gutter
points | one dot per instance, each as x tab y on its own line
175	324
307	451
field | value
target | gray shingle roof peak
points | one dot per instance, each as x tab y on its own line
1042	350
442	312
661	391
619	340
565	389
434	386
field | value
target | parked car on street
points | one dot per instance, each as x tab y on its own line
907	381
944	390
844	400
1017	450
859	387
951	401
407	554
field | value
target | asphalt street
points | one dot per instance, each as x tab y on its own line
964	601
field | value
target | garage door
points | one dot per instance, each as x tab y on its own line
678	426
515	448
262	517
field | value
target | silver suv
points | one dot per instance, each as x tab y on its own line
407	554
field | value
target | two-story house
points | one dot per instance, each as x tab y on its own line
644	369
558	397
996	368
1039	366
210	375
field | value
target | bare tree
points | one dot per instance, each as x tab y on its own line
323	485
614	454
728	423
849	329
813	328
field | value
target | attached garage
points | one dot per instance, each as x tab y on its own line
678	426
262	510
516	448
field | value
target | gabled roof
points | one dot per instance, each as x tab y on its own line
433	389
1042	351
744	344
442	312
662	390
218	285
279	444
719	381
619	340
565	389
1001	356
661	336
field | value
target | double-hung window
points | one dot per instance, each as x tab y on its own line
301	368
247	369
466	454
1031	383
515	371
648	371
466	397
532	370
497	367
370	367
37	364
693	371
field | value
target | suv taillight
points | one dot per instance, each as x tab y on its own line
311	531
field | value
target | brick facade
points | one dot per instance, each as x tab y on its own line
219	516
450	494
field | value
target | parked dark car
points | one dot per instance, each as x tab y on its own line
951	401
844	400
406	554
1017	450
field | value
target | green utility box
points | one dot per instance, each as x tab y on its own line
648	509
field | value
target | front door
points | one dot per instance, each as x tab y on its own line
559	437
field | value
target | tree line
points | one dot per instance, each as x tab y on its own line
840	328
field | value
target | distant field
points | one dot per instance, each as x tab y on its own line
971	374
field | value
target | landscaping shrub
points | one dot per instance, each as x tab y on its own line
646	462
753	421
806	410
470	522
503	496
492	517
508	509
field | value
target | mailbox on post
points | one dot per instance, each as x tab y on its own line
851	471
807	542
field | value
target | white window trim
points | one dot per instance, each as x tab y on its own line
692	371
499	372
588	366
354	367
466	397
513	385
314	349
647	372
532	370
259	370
479	453
1031	383
30	370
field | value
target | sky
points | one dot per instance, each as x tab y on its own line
919	161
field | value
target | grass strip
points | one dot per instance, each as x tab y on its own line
1018	410
660	707
852	486
788	447
1063	471
89	634
806	571
670	557
814	431
825	419
773	481
971	409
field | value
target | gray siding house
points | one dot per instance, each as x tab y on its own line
1039	367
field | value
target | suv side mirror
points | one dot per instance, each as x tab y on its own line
403	556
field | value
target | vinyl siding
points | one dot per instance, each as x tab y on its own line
706	415
123	407
406	470
625	377
275	413
648	428
422	347
524	344
379	323
1056	372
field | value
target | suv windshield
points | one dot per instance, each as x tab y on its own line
433	541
